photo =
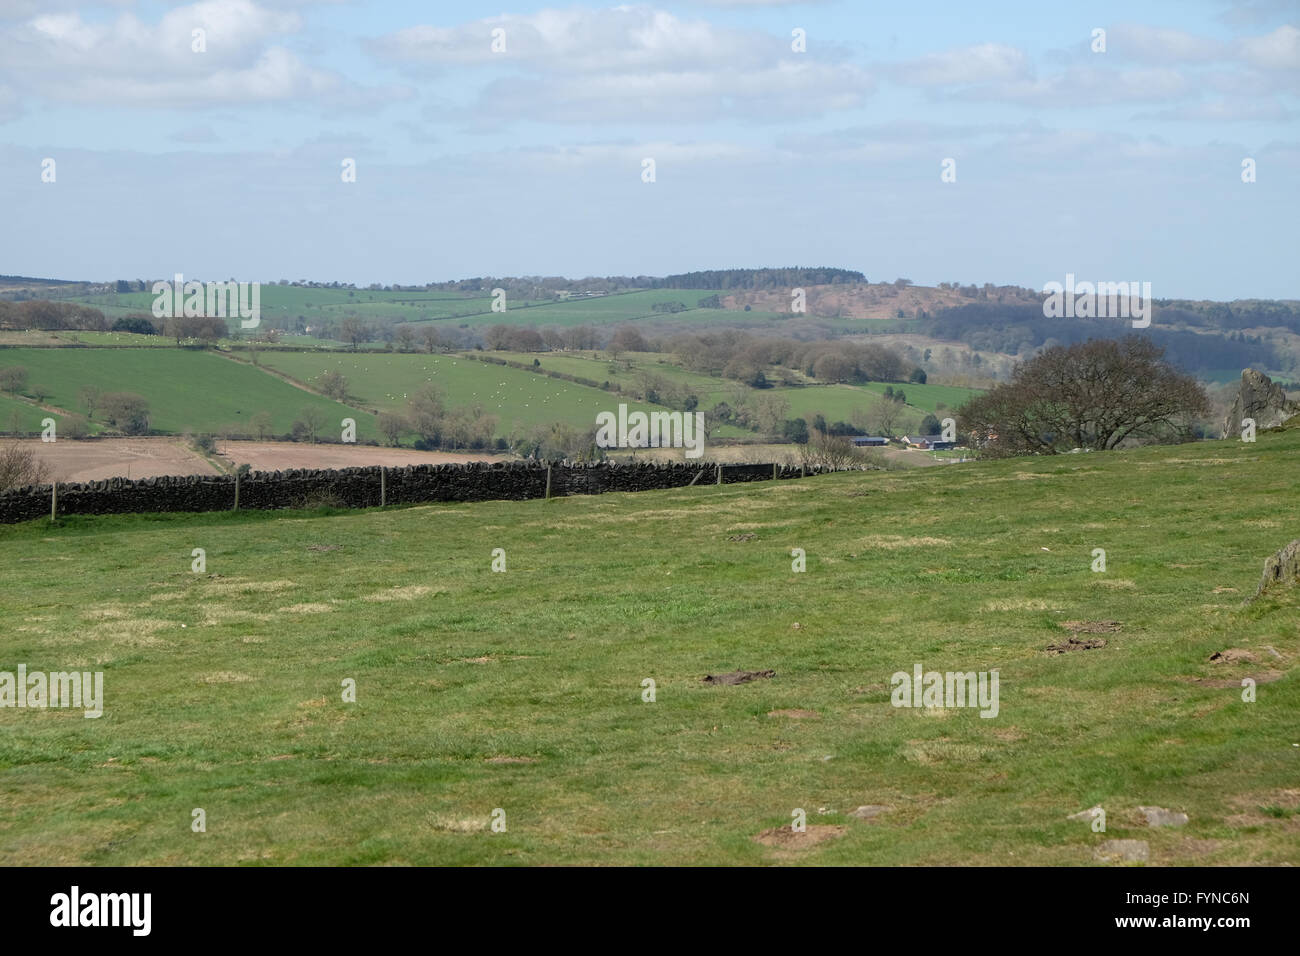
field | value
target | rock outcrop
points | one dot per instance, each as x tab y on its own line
1282	568
1258	398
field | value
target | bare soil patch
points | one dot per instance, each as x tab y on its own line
97	459
281	456
1074	644
785	838
1092	627
1264	677
736	677
1232	655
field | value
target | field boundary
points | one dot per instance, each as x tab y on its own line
376	486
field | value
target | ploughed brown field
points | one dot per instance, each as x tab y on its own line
153	457
272	455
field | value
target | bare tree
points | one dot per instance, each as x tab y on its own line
261	424
831	451
1096	394
353	331
885	414
13	378
19	466
310	421
334	384
127	411
89	396
392	427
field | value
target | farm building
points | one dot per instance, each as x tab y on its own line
927	442
870	441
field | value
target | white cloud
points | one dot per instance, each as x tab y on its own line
195	134
621	39
630	63
1279	50
1160	44
982	63
125	61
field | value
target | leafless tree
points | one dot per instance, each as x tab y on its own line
19	466
1096	394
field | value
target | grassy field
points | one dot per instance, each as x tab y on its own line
27	415
474	309
522	691
517	397
612	309
186	389
836	402
319	304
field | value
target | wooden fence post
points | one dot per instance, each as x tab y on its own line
236	508
548	481
54	501
774	474
801	471
719	473
383	487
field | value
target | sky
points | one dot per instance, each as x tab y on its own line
1004	142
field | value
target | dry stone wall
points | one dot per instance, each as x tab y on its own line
363	487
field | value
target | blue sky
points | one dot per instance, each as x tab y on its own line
1115	165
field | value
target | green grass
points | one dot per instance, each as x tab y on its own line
613	309
471	309
29	415
186	389
836	402
318	304
517	397
968	567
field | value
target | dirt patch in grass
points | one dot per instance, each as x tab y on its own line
1074	644
893	542
400	592
786	838
736	677
930	753
510	760
459	825
137	633
747	536
111	612
306	609
1262	677
1092	627
1265	807
1115	584
1018	604
238	585
324	547
226	677
1233	655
